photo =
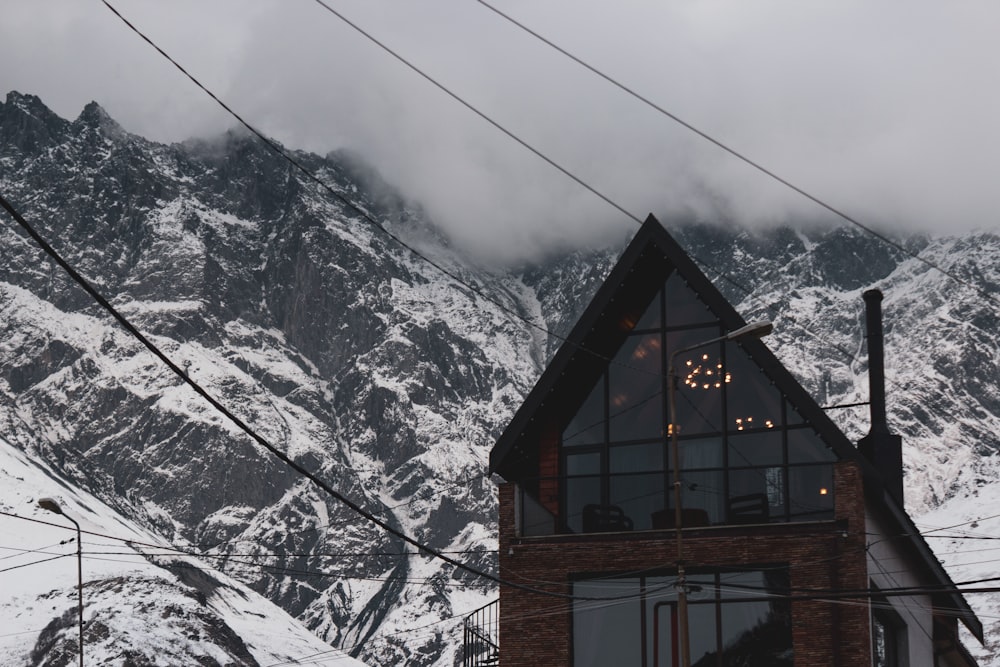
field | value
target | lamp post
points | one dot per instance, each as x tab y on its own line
52	506
753	330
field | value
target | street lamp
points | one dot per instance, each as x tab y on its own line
752	330
52	506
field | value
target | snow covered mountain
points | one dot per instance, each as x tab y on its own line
377	372
145	603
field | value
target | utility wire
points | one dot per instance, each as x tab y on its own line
832	596
592	189
36	562
743	158
291	463
336	524
310	176
281	152
246	428
576	179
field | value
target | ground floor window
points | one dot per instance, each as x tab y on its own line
889	646
735	618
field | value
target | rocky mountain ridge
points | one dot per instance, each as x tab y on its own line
378	372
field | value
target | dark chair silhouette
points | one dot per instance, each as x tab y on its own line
751	508
605	519
691	517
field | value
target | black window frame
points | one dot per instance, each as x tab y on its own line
778	477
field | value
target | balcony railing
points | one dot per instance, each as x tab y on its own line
481	637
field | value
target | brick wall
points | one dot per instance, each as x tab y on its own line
536	629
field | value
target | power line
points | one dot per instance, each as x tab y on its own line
36	562
246	428
313	178
576	179
743	158
566	171
277	149
335	524
281	152
263	442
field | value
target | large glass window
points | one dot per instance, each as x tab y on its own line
734	618
746	454
635	389
587	425
604	626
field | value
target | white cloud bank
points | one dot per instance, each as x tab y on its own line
885	110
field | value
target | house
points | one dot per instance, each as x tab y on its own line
790	545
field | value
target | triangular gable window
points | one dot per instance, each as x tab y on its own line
747	456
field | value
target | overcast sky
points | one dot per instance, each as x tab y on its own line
886	110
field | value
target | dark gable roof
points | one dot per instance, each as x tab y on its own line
640	272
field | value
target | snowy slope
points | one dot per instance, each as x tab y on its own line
167	609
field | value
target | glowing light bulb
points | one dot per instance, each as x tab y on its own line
823	491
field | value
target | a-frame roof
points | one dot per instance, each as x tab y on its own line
641	271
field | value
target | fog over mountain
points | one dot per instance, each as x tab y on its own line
379	373
885	110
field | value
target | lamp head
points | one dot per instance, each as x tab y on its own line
752	330
50	505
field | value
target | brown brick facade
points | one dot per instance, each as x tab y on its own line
536	629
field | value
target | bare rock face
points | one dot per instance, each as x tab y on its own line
377	372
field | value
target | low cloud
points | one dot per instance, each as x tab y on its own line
885	111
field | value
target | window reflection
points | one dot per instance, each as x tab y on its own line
746	454
703	497
735	618
607	632
756	449
636	484
635	389
652	318
811	492
683	307
583	487
805	446
752	402
587	425
701	382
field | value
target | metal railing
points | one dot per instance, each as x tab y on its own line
481	637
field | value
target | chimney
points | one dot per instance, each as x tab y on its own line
882	448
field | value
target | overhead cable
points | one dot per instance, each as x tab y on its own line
743	158
244	426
